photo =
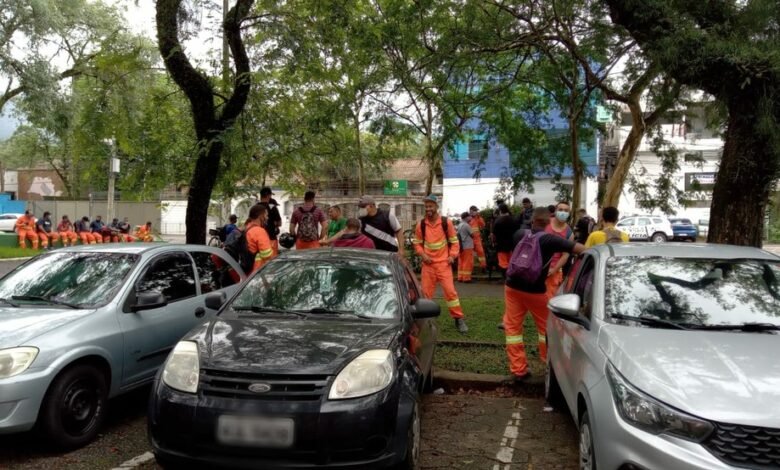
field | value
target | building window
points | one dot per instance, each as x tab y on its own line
478	149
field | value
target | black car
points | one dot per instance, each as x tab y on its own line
317	362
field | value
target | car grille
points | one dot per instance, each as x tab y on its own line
745	446
282	387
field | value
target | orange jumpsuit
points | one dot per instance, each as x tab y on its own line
25	228
257	242
477	224
67	234
516	304
143	235
439	270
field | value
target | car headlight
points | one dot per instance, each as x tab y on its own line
182	368
14	361
649	414
368	373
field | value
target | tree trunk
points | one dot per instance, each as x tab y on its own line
359	151
747	172
625	158
578	171
199	197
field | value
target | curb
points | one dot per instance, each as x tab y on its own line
468	343
16	259
453	381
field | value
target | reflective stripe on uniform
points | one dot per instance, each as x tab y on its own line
416	241
435	245
518	339
474	230
453	239
542	339
261	255
453	303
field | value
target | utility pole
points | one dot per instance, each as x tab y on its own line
113	170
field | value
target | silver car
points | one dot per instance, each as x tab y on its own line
668	356
81	325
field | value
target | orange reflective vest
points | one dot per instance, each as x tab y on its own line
436	240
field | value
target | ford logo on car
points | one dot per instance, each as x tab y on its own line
259	388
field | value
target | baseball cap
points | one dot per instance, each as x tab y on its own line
266	191
432	198
366	200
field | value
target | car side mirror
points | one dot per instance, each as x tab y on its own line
215	301
425	308
567	307
148	300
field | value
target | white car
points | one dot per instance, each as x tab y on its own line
8	222
654	228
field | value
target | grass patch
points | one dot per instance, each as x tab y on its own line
16	252
483	314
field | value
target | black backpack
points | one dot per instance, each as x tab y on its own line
238	249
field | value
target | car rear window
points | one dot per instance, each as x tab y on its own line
695	291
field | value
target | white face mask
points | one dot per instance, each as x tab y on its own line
362	212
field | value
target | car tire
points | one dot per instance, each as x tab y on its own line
552	390
658	237
413	441
74	408
587	452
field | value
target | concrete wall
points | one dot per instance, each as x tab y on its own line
138	212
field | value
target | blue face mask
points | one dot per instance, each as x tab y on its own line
562	216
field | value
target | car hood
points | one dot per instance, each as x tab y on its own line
20	325
280	346
729	377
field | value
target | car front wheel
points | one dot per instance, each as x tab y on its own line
658	237
587	455
75	407
413	441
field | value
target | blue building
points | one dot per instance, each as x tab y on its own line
461	189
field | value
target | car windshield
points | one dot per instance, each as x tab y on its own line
694	292
82	280
322	286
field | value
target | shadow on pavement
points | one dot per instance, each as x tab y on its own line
123	437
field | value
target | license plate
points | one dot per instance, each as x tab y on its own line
255	431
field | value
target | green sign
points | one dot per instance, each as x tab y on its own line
395	187
603	114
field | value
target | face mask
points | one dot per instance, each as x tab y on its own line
562	216
362	212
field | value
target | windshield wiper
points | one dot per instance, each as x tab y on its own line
261	309
650	321
337	312
749	327
45	299
12	304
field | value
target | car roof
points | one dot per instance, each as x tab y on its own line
138	248
685	250
356	254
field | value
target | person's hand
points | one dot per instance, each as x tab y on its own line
426	259
553	272
450	259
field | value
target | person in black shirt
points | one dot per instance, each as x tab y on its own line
503	229
521	296
274	220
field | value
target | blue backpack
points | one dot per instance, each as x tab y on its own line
526	260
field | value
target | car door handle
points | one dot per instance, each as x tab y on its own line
200	311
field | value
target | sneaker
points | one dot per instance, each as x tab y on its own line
521	378
500	326
460	324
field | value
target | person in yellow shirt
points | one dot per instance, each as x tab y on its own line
608	234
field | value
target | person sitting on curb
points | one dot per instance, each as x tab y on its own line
25	229
352	238
65	229
46	232
144	233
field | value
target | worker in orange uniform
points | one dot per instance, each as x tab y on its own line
144	233
66	231
46	231
522	296
257	241
25	229
477	224
436	242
85	233
466	241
